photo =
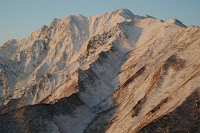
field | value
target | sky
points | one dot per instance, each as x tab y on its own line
19	18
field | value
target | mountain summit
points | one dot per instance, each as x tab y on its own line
114	72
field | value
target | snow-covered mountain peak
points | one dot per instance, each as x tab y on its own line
112	72
176	22
127	14
79	15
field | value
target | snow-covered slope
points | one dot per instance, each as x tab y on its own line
35	66
113	72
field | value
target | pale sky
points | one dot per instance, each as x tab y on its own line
19	18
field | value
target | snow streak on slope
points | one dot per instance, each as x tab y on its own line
125	70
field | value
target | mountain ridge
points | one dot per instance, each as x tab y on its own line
123	69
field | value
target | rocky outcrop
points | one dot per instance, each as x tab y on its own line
185	118
114	72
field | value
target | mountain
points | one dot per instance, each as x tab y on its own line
114	72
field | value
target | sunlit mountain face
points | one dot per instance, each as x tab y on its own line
115	72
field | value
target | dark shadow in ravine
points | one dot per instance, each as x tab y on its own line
96	83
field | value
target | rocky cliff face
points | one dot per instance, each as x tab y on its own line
114	72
